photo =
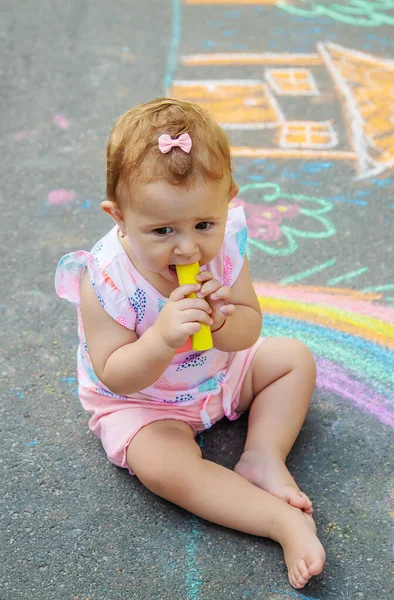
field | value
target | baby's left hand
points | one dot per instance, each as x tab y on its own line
217	296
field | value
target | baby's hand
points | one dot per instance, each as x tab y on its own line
182	316
217	296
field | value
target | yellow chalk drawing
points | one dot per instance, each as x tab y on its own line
366	85
341	532
308	134
364	91
245	104
251	58
292	82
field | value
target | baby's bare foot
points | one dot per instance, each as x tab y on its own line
304	554
270	473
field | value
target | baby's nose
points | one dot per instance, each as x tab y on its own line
187	248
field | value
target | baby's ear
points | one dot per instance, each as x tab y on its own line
113	210
233	192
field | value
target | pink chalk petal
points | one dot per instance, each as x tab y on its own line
24	135
61	121
61	196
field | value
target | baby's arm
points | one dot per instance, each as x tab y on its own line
243	328
124	363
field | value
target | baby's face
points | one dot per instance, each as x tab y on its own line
168	225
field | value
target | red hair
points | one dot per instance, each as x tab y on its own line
133	155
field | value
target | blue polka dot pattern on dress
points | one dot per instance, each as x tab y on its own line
138	303
193	360
183	397
96	249
99	296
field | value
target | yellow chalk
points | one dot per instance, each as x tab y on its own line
203	339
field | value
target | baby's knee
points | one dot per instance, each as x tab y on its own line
301	355
164	458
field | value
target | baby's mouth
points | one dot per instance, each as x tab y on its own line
172	271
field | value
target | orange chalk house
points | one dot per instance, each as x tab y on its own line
362	91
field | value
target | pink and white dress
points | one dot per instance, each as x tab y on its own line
197	387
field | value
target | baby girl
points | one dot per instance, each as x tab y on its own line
169	189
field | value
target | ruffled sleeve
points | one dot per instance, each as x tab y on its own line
112	298
235	245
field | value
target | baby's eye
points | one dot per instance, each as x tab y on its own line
162	230
204	225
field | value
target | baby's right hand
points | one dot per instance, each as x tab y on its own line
182	316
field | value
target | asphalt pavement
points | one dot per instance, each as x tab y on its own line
305	92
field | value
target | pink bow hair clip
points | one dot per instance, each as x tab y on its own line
166	142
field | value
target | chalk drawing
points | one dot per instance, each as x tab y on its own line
251	58
61	121
172	56
235	104
27	134
366	86
347	276
269	220
363	93
61	196
344	200
308	134
298	154
379	288
351	335
338	530
361	13
292	82
71	384
308	272
32	444
193	580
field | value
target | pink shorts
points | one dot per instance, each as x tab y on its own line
116	421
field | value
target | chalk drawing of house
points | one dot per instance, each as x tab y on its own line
360	90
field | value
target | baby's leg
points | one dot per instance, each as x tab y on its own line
277	388
168	461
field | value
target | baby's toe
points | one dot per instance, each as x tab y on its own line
299	574
315	563
308	504
298	499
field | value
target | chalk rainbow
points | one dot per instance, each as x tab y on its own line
351	335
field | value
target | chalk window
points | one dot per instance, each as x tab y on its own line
308	134
292	82
234	103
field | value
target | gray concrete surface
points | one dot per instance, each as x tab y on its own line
73	527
